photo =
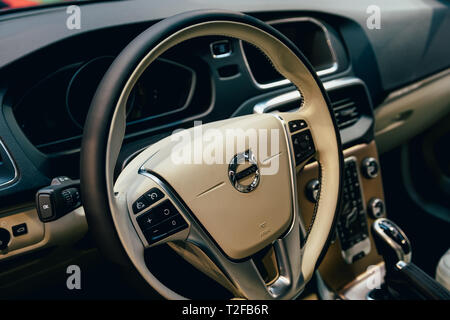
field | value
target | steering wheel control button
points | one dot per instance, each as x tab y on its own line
5	237
165	229
140	204
303	146
296	125
369	168
312	190
154	195
45	206
149	198
221	49
376	208
71	197
157	214
174	224
19	230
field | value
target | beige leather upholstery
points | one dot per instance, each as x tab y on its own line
240	223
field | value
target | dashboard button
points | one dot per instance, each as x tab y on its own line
376	208
5	237
19	230
369	167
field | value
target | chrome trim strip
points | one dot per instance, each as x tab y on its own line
320	73
271	104
16	171
323	291
329	70
342	82
400	265
131	157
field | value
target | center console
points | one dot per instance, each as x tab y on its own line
352	227
352	252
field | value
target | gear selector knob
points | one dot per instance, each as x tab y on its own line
391	242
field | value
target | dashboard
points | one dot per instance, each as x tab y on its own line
49	75
47	108
177	87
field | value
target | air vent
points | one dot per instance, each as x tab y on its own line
346	112
349	100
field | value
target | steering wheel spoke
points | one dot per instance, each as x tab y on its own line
246	277
244	274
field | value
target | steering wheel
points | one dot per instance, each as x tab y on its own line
218	215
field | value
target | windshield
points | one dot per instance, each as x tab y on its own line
17	4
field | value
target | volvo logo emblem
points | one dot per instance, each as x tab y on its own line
247	179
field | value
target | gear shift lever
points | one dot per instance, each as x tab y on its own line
391	242
403	278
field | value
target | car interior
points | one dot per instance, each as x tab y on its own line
328	122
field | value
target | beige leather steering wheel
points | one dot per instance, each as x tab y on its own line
216	215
